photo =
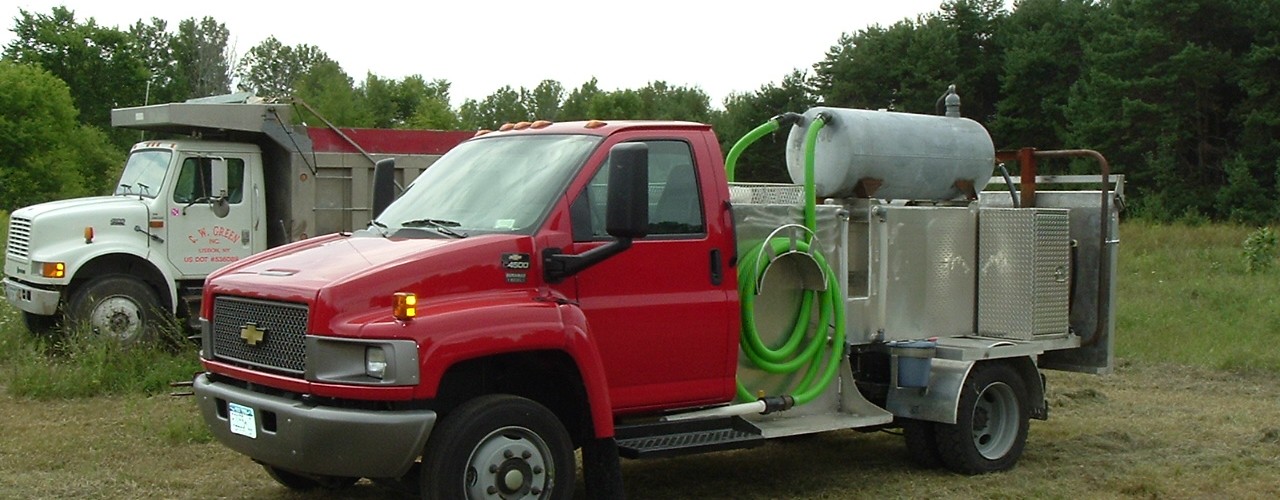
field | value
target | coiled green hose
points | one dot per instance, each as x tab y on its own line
790	357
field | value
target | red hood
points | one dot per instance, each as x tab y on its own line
296	276
345	276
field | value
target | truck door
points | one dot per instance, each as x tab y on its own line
659	314
200	240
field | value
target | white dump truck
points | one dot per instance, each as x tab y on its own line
233	179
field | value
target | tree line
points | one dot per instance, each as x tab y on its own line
1183	96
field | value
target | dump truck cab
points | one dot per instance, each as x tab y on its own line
237	177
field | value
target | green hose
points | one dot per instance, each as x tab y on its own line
790	357
810	190
731	161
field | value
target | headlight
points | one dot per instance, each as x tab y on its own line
372	362
375	362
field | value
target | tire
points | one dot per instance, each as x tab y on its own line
922	443
40	325
600	469
991	423
306	482
498	446
116	305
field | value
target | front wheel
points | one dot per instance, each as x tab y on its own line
116	305
38	325
991	423
305	482
498	446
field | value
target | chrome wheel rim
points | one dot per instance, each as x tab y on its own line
995	421
511	462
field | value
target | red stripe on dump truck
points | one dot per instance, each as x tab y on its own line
383	141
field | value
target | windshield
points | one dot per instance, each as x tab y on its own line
144	172
502	184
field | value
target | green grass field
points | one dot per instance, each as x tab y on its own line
1190	412
1183	296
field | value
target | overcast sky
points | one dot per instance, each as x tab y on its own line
479	46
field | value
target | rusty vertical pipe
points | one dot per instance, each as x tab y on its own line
1104	263
1027	169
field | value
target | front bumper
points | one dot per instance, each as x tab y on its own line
31	299
317	439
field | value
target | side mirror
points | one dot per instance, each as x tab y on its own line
218	178
627	214
384	185
218	187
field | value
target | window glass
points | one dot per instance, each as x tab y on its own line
499	184
196	174
144	172
675	202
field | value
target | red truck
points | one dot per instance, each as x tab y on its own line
604	285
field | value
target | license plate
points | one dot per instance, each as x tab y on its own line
242	420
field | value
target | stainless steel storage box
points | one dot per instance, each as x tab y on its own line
1024	272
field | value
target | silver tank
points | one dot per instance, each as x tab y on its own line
915	157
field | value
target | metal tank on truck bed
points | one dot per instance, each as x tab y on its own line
626	296
223	179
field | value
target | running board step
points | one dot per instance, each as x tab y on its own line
669	439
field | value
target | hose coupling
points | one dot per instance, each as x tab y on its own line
788	118
777	403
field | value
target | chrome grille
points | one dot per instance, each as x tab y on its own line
19	237
283	344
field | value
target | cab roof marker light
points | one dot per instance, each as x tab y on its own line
540	124
481	132
406	306
522	125
595	124
506	127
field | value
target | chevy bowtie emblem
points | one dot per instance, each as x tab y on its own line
251	334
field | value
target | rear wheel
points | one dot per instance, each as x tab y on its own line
116	305
498	446
922	443
305	482
991	423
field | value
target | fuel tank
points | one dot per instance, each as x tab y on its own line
902	156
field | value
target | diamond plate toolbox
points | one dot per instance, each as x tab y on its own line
1024	273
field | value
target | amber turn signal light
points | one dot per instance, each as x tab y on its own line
406	306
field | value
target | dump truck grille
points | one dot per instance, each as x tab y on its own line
19	238
260	333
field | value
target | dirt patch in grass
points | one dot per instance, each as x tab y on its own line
1150	430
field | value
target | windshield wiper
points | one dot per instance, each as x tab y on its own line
382	228
444	227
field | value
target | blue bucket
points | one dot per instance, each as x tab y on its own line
915	361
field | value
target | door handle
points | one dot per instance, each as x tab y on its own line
717	269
